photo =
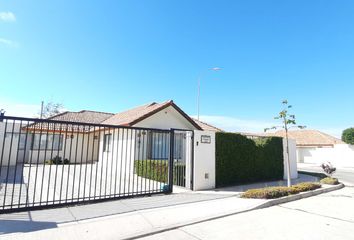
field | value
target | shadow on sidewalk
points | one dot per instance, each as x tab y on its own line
15	226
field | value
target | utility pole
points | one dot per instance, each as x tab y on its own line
42	109
215	69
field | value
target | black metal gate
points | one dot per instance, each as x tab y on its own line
46	163
182	155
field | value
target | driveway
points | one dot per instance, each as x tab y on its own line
130	217
326	216
34	185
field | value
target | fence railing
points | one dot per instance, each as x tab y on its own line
46	162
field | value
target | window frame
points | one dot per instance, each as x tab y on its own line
48	145
107	146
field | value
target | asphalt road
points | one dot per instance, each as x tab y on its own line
345	175
326	216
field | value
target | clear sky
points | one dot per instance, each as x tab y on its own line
114	55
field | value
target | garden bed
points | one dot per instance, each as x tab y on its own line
278	192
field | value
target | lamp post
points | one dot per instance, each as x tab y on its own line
198	95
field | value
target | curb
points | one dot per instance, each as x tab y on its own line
300	196
267	204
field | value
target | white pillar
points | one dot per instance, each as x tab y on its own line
204	160
292	159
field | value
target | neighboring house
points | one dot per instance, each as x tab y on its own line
317	147
207	127
81	144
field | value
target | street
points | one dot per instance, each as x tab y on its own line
346	175
326	216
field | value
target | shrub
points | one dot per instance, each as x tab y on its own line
241	160
277	192
268	193
328	168
57	160
306	186
330	181
152	169
48	162
158	170
348	136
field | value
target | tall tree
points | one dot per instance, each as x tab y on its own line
348	136
288	121
50	109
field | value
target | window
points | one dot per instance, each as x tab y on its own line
23	139
15	139
158	146
47	142
107	142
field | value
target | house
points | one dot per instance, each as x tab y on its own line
40	142
316	147
90	155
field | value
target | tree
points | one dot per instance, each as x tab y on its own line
50	109
288	122
348	136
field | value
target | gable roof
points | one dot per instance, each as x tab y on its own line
310	137
85	116
206	126
135	115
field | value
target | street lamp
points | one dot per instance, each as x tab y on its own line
199	78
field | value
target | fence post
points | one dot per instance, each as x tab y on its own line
2	115
170	164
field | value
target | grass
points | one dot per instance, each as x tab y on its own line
278	192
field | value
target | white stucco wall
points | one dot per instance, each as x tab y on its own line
9	144
119	160
166	119
341	155
204	161
292	158
81	148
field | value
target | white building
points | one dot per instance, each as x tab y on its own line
315	147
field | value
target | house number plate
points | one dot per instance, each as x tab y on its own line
205	139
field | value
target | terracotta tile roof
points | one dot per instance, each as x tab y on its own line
85	116
128	117
206	126
135	115
309	137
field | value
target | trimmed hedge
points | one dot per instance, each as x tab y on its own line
152	169
306	186
243	160
158	170
277	192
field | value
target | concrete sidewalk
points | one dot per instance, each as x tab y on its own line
135	223
131	217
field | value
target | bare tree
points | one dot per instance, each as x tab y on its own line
50	109
288	122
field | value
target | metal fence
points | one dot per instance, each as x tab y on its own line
47	163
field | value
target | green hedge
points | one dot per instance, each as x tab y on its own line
243	160
158	170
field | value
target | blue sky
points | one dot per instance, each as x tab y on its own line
114	55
